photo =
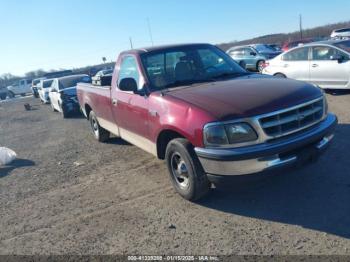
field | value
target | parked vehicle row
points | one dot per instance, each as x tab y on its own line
206	116
61	93
326	64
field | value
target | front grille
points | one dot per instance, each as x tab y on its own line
292	120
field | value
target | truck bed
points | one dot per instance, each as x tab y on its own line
97	99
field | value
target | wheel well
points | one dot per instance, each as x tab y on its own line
278	73
163	140
88	109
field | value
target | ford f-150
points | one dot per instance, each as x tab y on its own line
209	118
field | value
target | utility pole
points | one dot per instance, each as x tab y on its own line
131	45
150	31
301	26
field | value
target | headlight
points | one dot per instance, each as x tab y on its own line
236	133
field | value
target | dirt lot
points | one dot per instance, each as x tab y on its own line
70	194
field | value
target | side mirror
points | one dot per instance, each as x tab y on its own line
128	84
253	53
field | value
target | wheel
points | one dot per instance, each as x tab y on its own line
186	172
64	113
53	108
99	132
3	97
280	75
260	66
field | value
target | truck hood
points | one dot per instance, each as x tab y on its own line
246	96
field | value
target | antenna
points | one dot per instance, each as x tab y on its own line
131	45
301	26
150	31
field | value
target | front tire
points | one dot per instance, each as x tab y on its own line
53	108
101	134
186	172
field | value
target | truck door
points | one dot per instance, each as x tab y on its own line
130	111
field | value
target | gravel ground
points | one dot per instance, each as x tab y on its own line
68	193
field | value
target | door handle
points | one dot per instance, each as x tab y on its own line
315	65
114	102
285	65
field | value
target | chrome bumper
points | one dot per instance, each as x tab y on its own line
267	156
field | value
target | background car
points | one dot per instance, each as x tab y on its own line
22	87
104	72
97	78
35	84
291	44
63	93
3	93
326	64
341	33
252	57
44	89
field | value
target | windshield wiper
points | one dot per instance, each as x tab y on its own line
187	83
229	74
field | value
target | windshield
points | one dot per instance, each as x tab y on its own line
264	48
36	81
72	81
345	45
47	83
188	65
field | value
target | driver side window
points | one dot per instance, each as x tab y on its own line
129	69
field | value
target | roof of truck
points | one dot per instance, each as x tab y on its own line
161	47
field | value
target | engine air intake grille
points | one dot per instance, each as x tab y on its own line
292	120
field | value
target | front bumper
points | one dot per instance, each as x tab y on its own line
291	150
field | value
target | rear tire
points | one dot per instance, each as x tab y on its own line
101	134
186	172
280	75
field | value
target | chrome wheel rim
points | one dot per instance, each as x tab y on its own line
94	126
179	171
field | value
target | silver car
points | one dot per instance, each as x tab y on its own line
252	57
326	64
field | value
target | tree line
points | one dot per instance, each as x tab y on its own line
316	32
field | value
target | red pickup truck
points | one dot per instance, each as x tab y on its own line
210	119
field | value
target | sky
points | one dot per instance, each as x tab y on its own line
43	34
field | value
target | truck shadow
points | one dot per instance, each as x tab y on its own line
117	141
315	197
17	163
